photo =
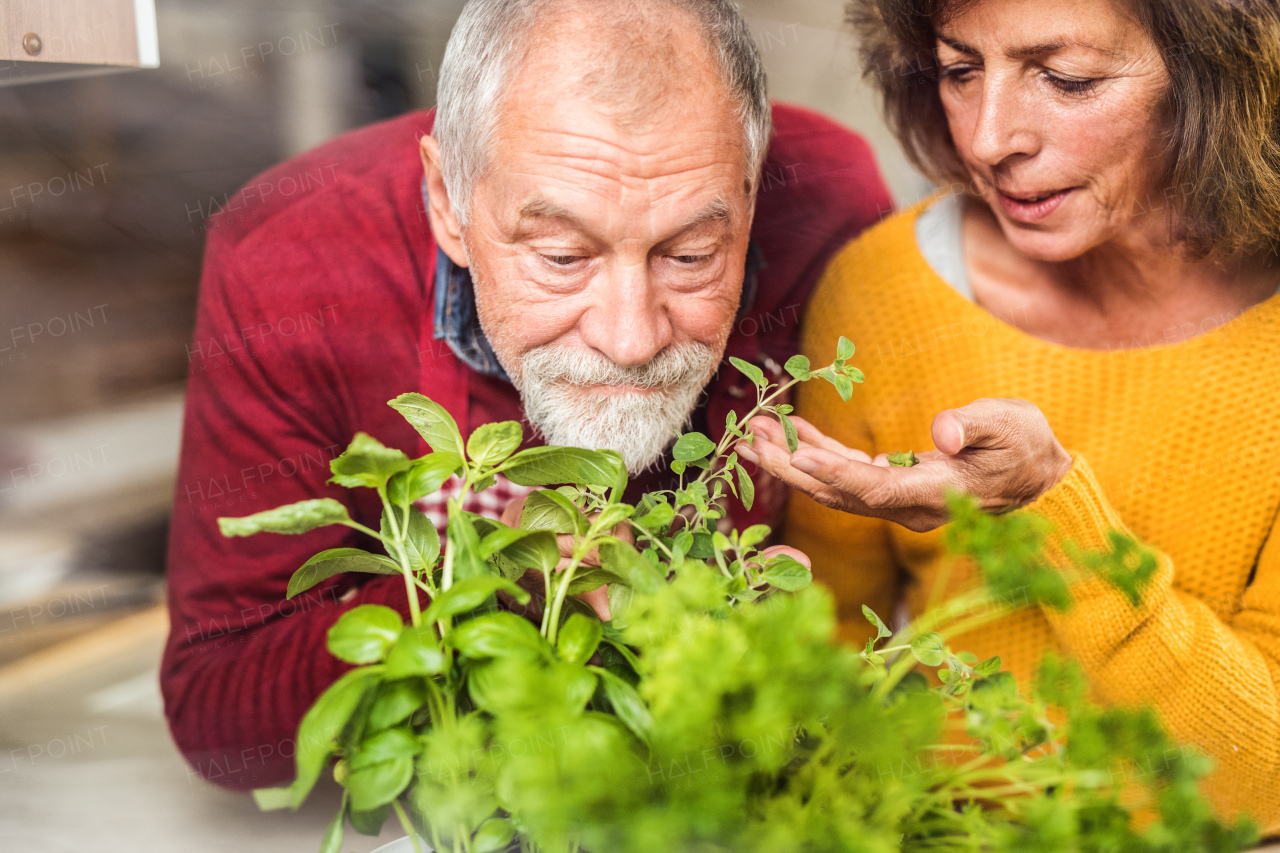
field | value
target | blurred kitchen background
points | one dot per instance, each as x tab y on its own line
106	186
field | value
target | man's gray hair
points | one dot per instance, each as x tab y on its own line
491	37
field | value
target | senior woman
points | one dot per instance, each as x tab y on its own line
1090	329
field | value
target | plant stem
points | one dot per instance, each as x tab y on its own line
407	825
553	628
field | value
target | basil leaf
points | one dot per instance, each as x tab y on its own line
336	561
431	421
465	543
493	836
317	737
550	510
626	703
426	477
466	595
496	635
578	638
415	653
492	443
385	746
365	633
375	786
370	822
537	549
422	542
554	466
624	561
291	519
367	462
395	701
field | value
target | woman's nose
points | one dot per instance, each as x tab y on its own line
1005	125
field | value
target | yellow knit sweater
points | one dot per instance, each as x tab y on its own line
1176	443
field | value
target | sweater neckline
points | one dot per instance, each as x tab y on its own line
1229	327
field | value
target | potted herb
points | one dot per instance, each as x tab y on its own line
714	711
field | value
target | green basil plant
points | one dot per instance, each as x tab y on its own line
715	711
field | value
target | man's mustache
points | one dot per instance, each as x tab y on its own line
673	365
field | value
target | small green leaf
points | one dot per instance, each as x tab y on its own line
291	519
425	478
658	519
465	543
692	446
496	635
588	578
620	597
784	409
788	574
844	386
626	703
422	542
431	421
855	374
368	462
789	428
317	737
882	630
988	667
383	746
929	649
370	822
493	836
379	784
332	841
625	562
845	349
336	561
749	370
578	638
365	633
493	443
611	516
554	466
753	536
414	653
466	595
746	488
537	549
549	510
798	367
395	702
678	467
904	460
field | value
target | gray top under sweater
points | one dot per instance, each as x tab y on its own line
940	236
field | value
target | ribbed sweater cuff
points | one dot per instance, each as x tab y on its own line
1078	508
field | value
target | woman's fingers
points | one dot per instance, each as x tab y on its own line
786	551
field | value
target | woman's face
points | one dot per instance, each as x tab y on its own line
1057	111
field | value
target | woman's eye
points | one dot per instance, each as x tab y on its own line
1070	85
958	73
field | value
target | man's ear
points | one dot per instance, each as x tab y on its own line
444	224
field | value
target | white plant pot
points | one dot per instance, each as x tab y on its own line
404	845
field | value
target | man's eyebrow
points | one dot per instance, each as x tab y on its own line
540	208
717	210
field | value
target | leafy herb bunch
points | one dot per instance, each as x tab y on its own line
710	713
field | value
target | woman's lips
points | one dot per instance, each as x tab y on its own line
1032	210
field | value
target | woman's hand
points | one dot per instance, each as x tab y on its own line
1001	451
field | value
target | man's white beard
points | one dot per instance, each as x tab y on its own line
555	386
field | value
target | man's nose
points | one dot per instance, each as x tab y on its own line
627	320
1005	124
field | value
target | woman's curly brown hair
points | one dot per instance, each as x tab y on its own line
1222	156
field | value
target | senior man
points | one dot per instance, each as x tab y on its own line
604	214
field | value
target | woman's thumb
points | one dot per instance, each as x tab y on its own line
949	432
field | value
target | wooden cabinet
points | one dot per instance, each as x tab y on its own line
45	39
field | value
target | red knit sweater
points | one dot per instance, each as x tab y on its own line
315	310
